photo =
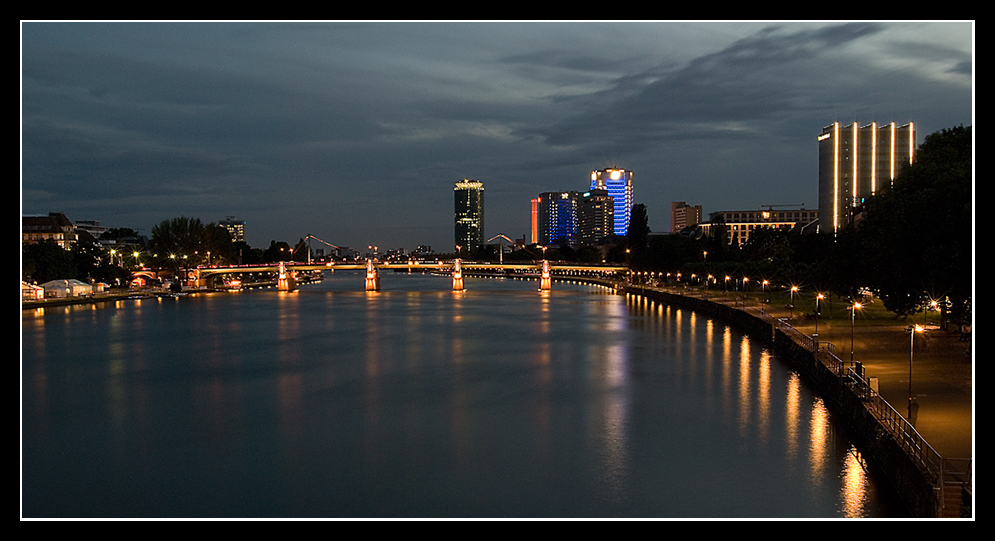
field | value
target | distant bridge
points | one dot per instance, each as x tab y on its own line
288	272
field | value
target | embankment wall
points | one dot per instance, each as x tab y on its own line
874	441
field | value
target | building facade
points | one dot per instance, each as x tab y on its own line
236	228
55	227
558	218
683	216
739	224
618	184
597	217
856	162
469	214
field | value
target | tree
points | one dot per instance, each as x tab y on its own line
277	251
180	236
637	236
46	261
917	235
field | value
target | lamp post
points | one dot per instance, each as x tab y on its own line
763	294
791	310
853	311
912	343
818	297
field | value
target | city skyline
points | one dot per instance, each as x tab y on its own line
356	131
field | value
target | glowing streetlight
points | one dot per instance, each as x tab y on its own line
791	305
853	315
912	343
818	297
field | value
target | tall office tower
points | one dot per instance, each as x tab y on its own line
683	216
235	228
618	183
597	216
558	219
469	213
535	220
856	163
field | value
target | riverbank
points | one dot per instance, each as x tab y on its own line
861	392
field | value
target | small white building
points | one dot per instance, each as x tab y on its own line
66	288
31	292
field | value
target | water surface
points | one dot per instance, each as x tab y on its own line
416	401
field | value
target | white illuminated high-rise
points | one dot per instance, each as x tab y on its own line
618	184
468	200
857	162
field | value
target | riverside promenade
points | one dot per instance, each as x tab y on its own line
940	433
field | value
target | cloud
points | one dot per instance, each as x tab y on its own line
286	124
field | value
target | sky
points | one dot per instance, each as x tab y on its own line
356	131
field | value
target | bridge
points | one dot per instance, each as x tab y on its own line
289	273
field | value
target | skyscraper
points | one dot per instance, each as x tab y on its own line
856	163
469	214
618	183
236	228
597	216
558	219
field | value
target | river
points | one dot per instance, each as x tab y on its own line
416	401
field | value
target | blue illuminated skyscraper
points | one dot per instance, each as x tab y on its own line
618	184
558	218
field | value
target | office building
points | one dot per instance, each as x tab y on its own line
739	224
683	216
236	229
618	184
597	217
857	162
535	220
558	218
55	227
469	214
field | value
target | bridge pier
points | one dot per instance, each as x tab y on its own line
372	276
457	276
545	281
285	280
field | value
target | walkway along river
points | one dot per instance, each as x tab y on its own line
931	486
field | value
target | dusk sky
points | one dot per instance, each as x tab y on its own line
355	132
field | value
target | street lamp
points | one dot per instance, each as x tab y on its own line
818	297
912	343
853	311
763	294
791	310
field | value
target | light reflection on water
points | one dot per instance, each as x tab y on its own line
418	401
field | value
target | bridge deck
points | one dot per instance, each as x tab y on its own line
409	266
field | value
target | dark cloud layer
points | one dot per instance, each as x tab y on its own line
355	132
